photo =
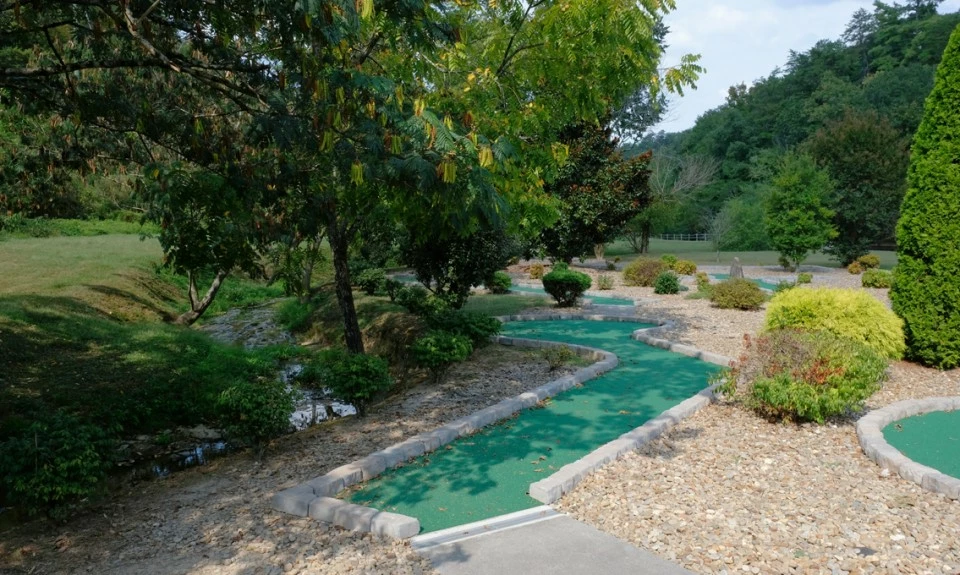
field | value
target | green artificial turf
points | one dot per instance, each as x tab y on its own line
932	439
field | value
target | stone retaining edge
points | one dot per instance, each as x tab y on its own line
875	446
315	498
552	488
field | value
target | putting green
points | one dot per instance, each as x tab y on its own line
932	439
487	474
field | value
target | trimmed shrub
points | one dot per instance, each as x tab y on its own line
855	268
869	262
669	260
667	283
804	376
604	282
500	283
685	267
536	271
438	350
877	279
643	272
926	289
479	328
253	413
804	277
737	294
357	379
703	281
853	314
371	280
565	285
54	464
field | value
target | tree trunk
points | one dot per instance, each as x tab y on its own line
197	305
598	250
339	244
645	238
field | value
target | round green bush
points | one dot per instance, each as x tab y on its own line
805	375
419	301
737	294
54	464
476	326
874	278
566	286
669	260
438	350
804	277
643	272
499	284
853	314
371	280
869	262
667	283
685	267
355	378
255	412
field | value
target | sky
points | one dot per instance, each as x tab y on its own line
744	40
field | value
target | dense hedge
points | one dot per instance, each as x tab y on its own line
926	292
853	314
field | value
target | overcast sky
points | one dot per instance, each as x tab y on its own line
743	40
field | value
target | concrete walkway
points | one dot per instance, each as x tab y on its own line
538	540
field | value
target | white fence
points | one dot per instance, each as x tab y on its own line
686	237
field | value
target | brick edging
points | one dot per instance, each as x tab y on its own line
875	446
316	498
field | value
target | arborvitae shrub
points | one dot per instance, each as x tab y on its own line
926	291
855	268
737	294
565	285
667	283
853	314
499	284
685	267
869	261
877	279
804	277
643	272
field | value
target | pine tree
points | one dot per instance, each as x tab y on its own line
926	292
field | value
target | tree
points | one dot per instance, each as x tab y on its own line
798	220
719	225
867	161
926	291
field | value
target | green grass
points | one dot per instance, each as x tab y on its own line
496	305
16	227
701	253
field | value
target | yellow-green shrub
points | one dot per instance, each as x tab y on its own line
536	271
855	268
869	261
877	279
643	272
737	294
685	267
847	313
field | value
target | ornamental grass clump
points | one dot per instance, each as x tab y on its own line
853	314
737	294
797	375
565	285
643	272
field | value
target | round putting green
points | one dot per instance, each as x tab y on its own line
488	473
931	439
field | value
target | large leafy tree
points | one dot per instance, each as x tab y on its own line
926	293
866	159
798	219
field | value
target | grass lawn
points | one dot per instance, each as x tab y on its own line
701	253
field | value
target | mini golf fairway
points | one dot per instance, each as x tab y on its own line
931	439
761	283
488	473
598	300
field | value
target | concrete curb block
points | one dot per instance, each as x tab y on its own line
315	498
875	446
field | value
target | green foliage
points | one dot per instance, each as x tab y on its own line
684	267
557	356
926	293
565	285
805	375
784	286
667	283
18	226
643	272
419	301
737	294
804	277
703	281
499	284
853	314
798	220
54	464
438	350
869	261
478	327
392	288
536	271
604	282
255	412
866	159
874	278
371	280
354	378
669	259
294	315
855	268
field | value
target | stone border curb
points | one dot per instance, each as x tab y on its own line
316	498
875	446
